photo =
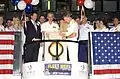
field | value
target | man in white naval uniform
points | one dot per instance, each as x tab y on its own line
50	25
71	34
47	28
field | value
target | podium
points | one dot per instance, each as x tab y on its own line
55	70
55	64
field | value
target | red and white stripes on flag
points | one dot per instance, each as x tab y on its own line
105	55
6	54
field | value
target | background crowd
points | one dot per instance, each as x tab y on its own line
16	23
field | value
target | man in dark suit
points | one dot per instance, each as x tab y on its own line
32	30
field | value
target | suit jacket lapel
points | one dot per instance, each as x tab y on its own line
33	26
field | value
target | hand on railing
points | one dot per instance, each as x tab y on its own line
36	39
64	37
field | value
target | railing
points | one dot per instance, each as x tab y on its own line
56	41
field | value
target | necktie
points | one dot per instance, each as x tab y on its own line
35	26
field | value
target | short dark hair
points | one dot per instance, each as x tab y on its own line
33	13
67	14
115	17
105	21
41	15
2	16
77	17
8	20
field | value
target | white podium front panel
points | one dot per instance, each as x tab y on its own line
55	70
50	47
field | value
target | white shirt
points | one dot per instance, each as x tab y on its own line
10	28
39	23
2	28
84	29
102	30
72	28
34	23
49	27
114	29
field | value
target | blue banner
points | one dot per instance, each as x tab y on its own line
57	69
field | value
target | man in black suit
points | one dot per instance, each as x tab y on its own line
32	30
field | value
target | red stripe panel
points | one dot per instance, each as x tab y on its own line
6	71
6	51
7	42
107	71
6	61
8	33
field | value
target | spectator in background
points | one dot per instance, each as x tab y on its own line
27	18
9	26
23	20
102	25
13	18
42	19
116	23
8	22
96	23
2	28
55	21
17	24
84	28
77	19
